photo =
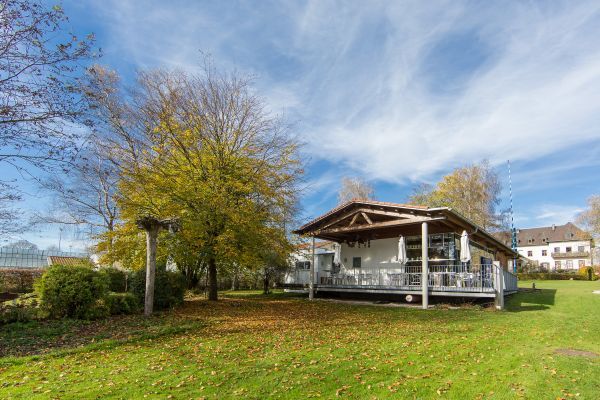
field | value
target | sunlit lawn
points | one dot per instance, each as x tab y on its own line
251	346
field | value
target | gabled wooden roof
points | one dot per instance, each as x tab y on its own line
350	203
357	215
361	220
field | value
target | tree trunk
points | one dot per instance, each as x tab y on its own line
212	279
234	281
257	279
151	236
266	284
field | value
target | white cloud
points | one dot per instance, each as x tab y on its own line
539	93
393	91
548	214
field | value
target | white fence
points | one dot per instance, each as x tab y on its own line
443	278
509	280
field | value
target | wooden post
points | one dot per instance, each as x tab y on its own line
151	237
498	285
424	265
152	226
311	284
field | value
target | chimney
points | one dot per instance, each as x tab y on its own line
553	227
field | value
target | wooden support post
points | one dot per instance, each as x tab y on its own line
311	284
498	280
152	226
151	238
424	266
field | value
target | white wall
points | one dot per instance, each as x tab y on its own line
324	261
382	253
537	253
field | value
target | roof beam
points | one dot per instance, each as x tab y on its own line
340	219
367	211
366	217
387	213
384	224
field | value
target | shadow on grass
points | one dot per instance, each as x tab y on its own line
67	335
531	301
257	294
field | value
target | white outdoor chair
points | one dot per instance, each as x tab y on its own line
394	279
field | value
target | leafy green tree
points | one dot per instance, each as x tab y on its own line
275	259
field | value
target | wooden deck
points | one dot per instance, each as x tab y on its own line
444	280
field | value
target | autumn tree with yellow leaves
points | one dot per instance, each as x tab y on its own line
201	150
473	191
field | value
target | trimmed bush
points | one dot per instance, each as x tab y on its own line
122	303
73	292
169	287
22	309
549	276
19	280
117	279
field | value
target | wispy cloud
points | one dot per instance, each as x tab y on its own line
395	91
534	93
556	214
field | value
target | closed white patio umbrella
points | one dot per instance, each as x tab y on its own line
337	248
401	251
465	249
402	258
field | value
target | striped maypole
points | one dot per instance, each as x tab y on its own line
513	231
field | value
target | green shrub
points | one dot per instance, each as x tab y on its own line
74	292
98	310
587	273
543	276
169	287
22	309
117	279
122	303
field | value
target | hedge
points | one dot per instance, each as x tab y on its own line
553	276
19	280
169	287
117	279
122	303
83	293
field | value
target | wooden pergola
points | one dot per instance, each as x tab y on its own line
360	221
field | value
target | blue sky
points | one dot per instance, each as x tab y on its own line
395	92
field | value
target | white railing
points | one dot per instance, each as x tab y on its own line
509	281
456	278
461	278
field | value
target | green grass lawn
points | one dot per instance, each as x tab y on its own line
252	346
